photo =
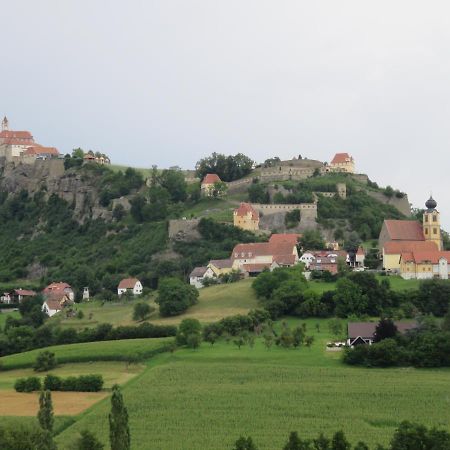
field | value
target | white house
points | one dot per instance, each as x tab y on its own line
307	258
56	303
132	285
59	288
199	274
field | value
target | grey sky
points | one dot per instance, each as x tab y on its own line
167	82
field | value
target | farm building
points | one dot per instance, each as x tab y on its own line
56	302
364	332
132	285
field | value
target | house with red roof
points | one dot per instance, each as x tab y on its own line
56	302
208	184
342	162
246	217
422	265
280	251
131	285
59	288
13	143
17	296
40	152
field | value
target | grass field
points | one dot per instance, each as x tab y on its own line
90	351
4	315
204	399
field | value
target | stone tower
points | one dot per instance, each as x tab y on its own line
5	124
432	223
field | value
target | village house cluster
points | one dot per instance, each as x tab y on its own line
20	147
414	250
249	260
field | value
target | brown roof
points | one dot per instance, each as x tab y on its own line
367	329
6	134
128	283
340	158
284	260
360	251
211	178
54	303
246	208
291	238
398	247
25	292
198	272
404	230
39	150
221	263
255	268
432	257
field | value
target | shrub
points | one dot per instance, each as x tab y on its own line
29	384
45	361
52	383
141	311
83	383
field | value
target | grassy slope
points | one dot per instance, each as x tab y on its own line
205	399
90	351
214	303
4	315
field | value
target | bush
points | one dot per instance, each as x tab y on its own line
175	297
83	383
141	311
45	361
187	329
29	384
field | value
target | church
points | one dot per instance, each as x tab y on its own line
413	249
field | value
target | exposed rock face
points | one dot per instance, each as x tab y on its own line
50	176
184	230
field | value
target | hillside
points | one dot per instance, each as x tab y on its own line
91	225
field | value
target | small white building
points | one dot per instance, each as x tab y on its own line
132	285
307	258
197	276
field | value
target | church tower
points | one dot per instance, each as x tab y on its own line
432	223
5	124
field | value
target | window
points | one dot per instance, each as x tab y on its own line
434	230
426	230
434	218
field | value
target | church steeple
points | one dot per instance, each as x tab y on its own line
5	124
432	223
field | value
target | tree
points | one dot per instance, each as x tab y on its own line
244	444
45	413
349	299
309	340
193	340
141	311
385	329
88	441
335	327
239	341
298	336
188	327
352	242
312	240
361	446
219	189
411	436
229	168
173	181
119	431
295	443
321	443
45	361
433	297
78	153
175	296
257	193
339	442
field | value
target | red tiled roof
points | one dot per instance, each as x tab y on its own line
6	134
360	251
59	286
404	230
244	209
398	247
25	292
128	283
255	267
291	238
39	150
431	257
340	158
211	178
278	249
284	260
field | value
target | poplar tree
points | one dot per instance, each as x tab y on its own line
45	414
119	431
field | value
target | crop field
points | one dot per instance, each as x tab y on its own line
205	399
91	351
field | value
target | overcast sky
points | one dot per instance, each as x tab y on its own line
167	82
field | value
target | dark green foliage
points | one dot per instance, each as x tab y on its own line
186	329
433	297
45	361
141	311
229	168
385	329
349	299
244	444
87	441
45	413
410	436
29	384
339	442
119	431
25	438
292	218
175	296
295	443
82	383
257	193
312	240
